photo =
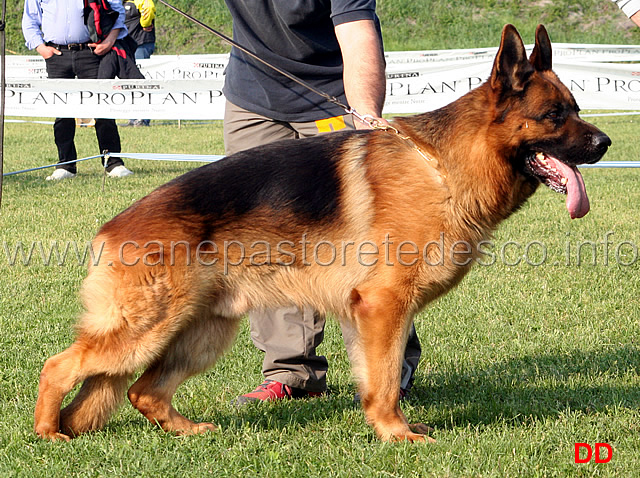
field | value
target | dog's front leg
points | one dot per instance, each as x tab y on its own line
383	326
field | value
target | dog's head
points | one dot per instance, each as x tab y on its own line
546	133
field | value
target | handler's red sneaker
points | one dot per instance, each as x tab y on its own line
270	390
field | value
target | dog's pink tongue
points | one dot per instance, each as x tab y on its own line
577	200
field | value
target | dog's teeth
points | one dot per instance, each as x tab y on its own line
564	181
540	157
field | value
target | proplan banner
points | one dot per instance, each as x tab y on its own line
425	80
177	87
190	86
171	99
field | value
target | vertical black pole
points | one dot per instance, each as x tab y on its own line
2	87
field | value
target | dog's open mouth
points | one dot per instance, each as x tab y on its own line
561	178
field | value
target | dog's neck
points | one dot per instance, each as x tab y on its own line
458	136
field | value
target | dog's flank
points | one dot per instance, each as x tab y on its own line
477	161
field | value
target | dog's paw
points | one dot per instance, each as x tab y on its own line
53	436
417	432
198	429
415	438
421	428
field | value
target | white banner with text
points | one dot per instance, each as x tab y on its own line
190	86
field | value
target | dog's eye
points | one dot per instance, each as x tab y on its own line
553	115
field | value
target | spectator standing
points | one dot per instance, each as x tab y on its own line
335	46
140	18
56	30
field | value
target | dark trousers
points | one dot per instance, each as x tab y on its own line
82	64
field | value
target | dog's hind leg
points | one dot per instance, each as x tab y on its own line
105	366
192	351
383	326
86	359
59	375
104	361
91	408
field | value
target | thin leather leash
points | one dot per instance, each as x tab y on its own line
368	119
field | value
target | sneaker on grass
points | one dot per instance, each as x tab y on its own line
60	173
270	390
119	172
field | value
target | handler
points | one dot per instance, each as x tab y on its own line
336	47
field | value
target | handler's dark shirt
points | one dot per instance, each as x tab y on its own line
297	36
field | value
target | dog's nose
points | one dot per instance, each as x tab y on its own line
600	142
597	144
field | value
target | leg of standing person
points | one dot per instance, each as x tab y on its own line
64	129
289	336
86	66
413	350
143	52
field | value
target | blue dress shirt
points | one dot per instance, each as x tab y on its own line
61	21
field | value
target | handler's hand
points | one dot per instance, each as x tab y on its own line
101	48
105	45
362	125
47	52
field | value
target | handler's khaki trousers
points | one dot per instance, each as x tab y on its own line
289	336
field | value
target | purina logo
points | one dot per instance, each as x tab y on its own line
136	87
209	65
585	457
393	76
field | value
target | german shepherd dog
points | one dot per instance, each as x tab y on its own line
368	225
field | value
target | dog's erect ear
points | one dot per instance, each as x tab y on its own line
541	55
511	68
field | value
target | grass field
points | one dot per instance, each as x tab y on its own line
535	351
520	362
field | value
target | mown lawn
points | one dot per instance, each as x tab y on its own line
535	351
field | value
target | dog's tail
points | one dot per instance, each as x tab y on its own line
96	401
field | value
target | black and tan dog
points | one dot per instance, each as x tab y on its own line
370	226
